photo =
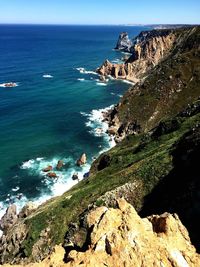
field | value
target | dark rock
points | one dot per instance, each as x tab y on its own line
60	164
86	175
124	43
47	169
104	162
75	176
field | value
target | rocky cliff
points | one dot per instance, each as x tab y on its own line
169	87
119	237
124	43
154	167
147	50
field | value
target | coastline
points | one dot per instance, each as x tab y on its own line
94	120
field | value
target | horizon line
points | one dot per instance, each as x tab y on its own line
105	24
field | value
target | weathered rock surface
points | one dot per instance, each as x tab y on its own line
119	237
124	43
9	218
60	164
169	87
148	49
82	160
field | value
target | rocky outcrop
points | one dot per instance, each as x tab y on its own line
119	237
82	160
124	43
9	218
148	49
168	88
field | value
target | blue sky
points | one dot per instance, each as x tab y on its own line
100	11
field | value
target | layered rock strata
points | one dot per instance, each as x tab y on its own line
147	50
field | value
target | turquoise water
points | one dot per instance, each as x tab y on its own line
43	120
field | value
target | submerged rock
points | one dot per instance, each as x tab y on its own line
47	169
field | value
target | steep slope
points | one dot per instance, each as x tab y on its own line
119	237
169	87
148	49
131	169
159	151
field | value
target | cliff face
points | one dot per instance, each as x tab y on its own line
119	237
147	50
169	87
154	167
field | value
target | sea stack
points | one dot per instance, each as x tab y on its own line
82	160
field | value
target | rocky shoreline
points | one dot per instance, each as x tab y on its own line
163	110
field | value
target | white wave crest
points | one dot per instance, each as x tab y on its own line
101	84
9	84
128	82
47	76
81	79
84	71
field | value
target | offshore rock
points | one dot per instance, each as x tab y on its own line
82	160
47	169
124	43
60	164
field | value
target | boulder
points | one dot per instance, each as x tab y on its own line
75	176
82	160
52	175
47	169
60	164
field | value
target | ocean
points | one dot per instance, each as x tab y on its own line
56	106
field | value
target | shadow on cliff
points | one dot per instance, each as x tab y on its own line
179	192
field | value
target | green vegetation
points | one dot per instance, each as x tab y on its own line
142	158
155	160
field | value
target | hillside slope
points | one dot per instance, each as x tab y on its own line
154	167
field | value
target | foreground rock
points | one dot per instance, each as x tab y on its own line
119	237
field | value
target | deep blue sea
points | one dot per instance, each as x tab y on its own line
43	119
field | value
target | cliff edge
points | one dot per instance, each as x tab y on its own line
119	237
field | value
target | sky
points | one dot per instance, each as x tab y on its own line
100	11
